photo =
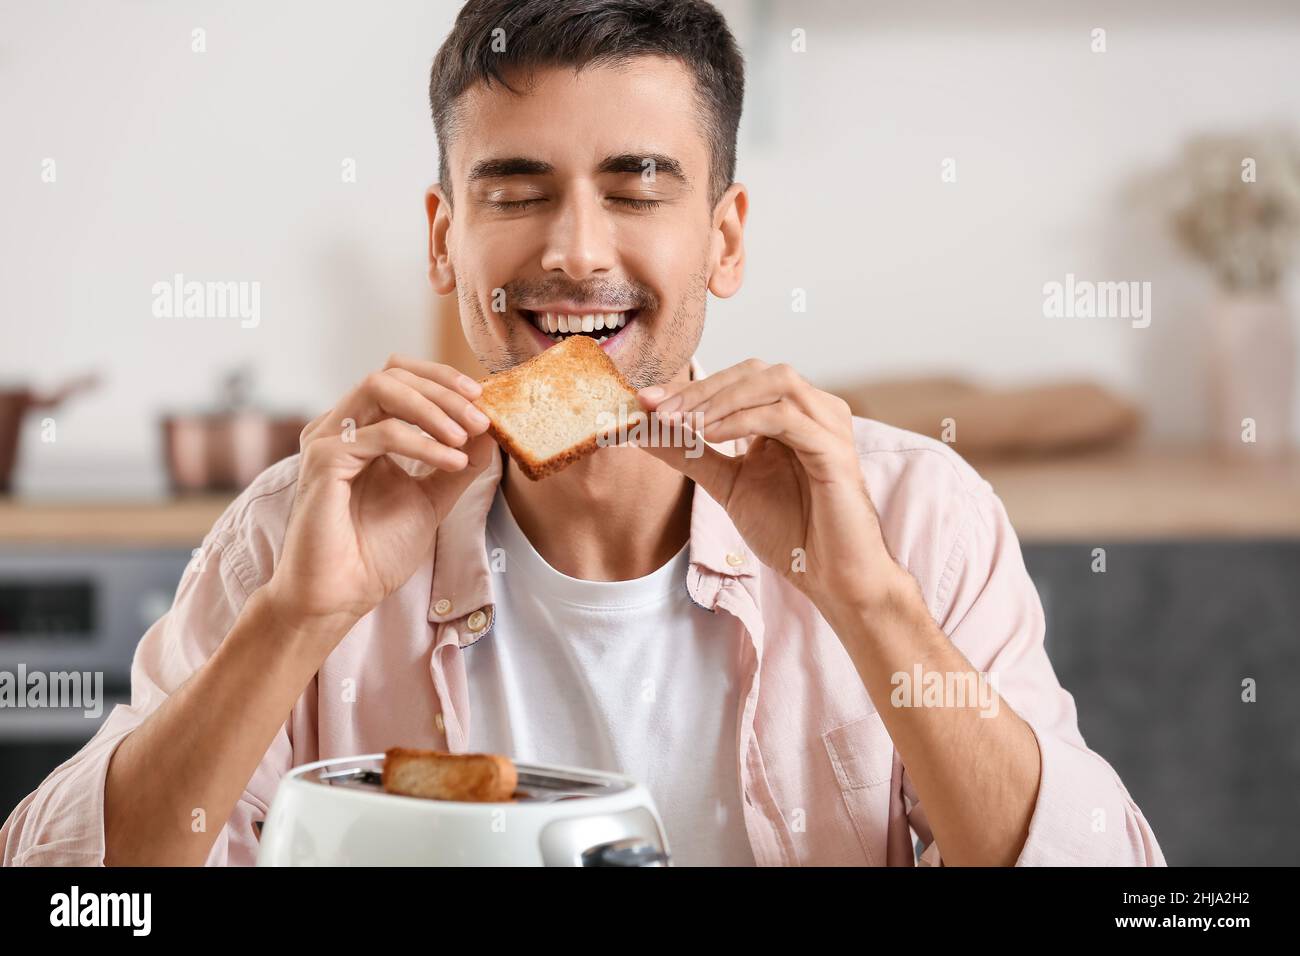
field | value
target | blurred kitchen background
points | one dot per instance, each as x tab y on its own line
920	173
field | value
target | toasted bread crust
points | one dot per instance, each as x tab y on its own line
536	469
589	358
436	775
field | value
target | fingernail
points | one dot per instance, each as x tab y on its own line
467	384
653	393
477	417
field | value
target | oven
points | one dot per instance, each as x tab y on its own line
70	611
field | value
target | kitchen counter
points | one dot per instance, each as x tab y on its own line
165	522
1150	494
1141	494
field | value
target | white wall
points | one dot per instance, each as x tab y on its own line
226	165
906	273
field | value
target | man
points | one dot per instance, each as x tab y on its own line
767	634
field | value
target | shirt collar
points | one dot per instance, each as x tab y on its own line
462	576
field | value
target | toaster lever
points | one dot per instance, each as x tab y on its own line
632	851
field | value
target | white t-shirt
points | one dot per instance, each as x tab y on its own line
630	677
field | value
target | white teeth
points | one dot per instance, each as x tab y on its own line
556	324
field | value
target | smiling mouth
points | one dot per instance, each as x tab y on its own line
558	326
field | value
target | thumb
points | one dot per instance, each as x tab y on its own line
707	467
444	488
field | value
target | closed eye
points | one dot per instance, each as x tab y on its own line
512	204
637	203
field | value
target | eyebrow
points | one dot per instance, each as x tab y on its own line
509	166
623	163
636	163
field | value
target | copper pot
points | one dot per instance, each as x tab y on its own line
15	403
225	451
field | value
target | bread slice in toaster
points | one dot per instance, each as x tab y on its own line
435	775
559	406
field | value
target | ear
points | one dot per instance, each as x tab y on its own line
729	241
441	274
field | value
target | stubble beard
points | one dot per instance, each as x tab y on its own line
652	361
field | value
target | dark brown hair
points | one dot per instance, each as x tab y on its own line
550	33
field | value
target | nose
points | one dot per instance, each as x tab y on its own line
580	242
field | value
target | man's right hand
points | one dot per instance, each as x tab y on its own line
359	527
360	522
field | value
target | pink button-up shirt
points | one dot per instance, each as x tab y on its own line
820	779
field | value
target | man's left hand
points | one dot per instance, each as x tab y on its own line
797	495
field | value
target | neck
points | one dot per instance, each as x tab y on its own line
615	515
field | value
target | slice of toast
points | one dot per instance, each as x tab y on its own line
559	406
435	775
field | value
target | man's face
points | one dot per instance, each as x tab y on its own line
586	196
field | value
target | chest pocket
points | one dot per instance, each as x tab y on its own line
862	756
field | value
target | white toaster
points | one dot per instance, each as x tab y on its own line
336	813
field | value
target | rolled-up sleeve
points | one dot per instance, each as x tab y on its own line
61	823
1083	815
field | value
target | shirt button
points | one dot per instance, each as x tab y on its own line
438	722
477	621
735	560
443	606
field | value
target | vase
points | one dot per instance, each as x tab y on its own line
1252	374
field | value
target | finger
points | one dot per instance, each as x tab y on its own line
399	437
671	399
362	404
833	412
461	409
781	420
345	458
384	395
312	427
762	388
444	375
444	488
707	467
397	399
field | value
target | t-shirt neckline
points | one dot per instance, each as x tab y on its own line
521	556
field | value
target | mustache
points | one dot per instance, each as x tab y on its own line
611	294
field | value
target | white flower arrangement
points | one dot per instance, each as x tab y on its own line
1233	202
